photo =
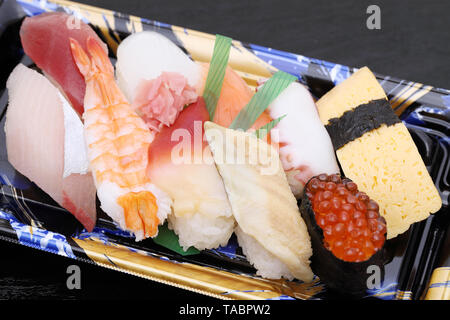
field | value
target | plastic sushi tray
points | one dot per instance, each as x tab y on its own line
418	265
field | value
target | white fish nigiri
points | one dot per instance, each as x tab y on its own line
145	55
305	146
41	128
271	231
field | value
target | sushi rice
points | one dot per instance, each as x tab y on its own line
265	263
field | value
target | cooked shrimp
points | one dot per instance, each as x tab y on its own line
118	140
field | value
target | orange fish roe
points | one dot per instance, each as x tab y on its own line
352	227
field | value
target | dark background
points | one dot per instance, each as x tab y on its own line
413	44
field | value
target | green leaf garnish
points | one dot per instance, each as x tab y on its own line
216	73
261	132
168	239
261	100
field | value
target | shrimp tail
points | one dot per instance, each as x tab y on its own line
80	57
99	57
140	211
98	60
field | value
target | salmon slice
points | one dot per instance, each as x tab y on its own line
45	39
234	96
35	140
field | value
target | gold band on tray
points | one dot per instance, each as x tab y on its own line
206	280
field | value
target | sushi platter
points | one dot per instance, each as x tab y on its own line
217	166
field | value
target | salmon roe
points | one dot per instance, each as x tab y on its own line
351	223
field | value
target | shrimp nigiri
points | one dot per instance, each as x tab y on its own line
118	140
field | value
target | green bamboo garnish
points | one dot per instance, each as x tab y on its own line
262	132
168	239
261	100
216	73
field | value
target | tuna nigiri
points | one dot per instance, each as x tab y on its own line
42	131
45	39
117	140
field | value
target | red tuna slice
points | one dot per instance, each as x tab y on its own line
189	124
35	142
45	39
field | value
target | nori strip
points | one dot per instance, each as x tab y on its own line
349	278
354	123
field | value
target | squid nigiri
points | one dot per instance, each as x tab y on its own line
145	56
117	140
43	135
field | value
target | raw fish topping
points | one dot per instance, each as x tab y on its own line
159	101
45	39
352	227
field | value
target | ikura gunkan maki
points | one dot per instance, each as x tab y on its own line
352	226
347	233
